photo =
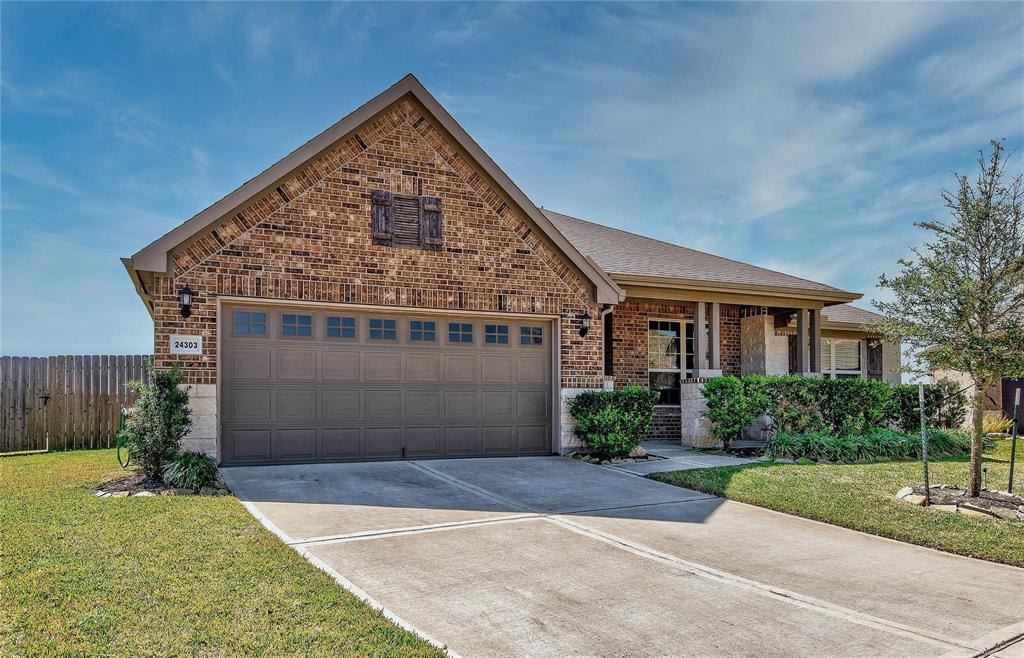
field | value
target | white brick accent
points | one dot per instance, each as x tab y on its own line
567	440
762	352
695	428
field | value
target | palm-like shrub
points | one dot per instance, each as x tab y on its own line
191	470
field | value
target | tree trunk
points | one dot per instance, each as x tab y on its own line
977	447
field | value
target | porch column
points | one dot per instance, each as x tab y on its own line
716	339
802	340
699	348
815	340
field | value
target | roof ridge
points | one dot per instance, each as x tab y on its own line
679	246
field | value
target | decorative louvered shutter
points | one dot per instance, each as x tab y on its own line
430	222
383	212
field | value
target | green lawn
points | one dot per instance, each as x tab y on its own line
161	576
860	496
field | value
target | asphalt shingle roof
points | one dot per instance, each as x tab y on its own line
621	252
847	313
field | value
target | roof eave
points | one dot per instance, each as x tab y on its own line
140	290
829	297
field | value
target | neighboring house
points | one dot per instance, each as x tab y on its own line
385	291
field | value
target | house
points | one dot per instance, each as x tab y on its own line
386	291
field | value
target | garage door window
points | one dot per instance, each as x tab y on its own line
460	332
496	334
341	327
248	323
382	329
531	335
422	331
296	325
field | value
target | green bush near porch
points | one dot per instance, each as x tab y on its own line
613	423
797	405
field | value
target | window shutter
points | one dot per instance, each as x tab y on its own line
430	222
383	213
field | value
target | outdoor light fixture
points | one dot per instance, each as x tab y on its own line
584	323
186	302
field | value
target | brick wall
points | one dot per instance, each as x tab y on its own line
309	239
629	349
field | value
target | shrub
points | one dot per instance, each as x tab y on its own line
994	422
733	404
945	406
191	470
613	423
876	444
796	405
159	420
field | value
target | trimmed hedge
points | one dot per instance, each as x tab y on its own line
877	444
945	405
613	423
837	407
833	407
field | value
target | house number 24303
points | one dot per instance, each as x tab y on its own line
186	344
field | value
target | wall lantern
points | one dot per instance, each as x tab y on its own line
584	323
186	302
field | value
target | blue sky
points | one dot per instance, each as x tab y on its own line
802	137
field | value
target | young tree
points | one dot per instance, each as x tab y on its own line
160	419
959	304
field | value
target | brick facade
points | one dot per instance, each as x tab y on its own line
629	322
310	240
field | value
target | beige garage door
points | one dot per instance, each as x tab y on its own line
300	385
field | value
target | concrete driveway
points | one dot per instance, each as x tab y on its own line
549	556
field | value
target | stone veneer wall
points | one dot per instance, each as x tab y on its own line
694	427
764	352
202	400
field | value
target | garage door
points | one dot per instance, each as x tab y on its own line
300	385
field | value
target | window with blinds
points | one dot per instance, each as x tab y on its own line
847	355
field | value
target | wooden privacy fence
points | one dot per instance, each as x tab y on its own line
65	402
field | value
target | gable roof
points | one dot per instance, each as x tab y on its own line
630	257
155	256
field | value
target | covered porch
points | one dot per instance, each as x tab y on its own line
657	343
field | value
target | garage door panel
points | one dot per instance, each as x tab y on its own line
342	404
296	444
460	368
460	404
497	369
421	404
344	397
247	405
296	365
383	442
246	363
296	404
249	444
383	367
499	440
342	443
423	368
383	403
462	441
533	404
532	370
497	404
422	441
341	366
532	438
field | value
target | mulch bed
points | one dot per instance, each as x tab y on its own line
995	503
132	484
